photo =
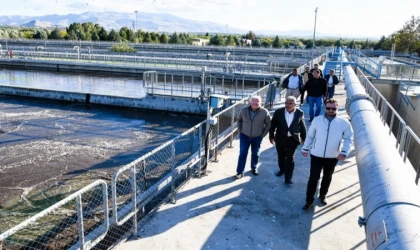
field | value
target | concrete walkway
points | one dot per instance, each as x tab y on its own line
258	212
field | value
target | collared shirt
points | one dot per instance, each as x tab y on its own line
330	81
289	119
293	82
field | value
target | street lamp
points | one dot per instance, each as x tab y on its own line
313	39
135	26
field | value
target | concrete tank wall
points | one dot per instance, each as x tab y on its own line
155	102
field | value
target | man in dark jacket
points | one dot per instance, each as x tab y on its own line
253	125
289	127
316	88
332	80
316	68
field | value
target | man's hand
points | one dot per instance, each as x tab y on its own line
272	141
341	157
304	153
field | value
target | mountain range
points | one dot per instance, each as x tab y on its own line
157	22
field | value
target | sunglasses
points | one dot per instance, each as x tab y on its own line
334	109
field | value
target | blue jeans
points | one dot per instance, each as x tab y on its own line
244	143
314	100
331	91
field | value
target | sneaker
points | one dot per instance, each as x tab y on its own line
254	171
307	206
323	199
239	176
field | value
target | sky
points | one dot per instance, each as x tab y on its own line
354	18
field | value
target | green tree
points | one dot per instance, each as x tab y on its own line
113	36
103	34
380	44
351	45
251	36
338	43
408	37
230	41
95	36
56	34
41	34
276	42
256	43
123	33
266	44
174	38
147	38
163	38
217	40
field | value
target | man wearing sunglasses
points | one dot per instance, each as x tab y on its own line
323	141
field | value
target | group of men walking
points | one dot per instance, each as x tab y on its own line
318	88
327	141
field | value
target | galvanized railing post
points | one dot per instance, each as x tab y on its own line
80	227
200	147
173	172
216	146
134	198
172	85
232	122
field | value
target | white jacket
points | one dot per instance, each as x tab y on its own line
324	137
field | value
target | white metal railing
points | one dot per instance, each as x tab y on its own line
82	220
407	142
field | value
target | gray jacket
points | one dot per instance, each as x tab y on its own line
257	127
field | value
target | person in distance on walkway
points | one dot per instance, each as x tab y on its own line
253	125
288	124
293	83
316	68
332	80
316	88
306	76
323	141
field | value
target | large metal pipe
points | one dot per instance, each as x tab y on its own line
391	199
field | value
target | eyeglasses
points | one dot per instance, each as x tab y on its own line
334	109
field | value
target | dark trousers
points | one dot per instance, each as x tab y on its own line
244	143
286	156
317	165
302	94
331	91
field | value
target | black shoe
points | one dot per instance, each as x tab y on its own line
323	199
254	171
288	182
280	173
307	206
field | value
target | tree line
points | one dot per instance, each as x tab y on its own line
407	39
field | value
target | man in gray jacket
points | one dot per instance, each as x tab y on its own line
323	141
253	124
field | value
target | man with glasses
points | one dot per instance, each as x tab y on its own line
324	138
316	87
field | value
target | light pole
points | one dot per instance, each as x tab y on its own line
135	26
313	39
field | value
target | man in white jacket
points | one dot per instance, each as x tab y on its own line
323	142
